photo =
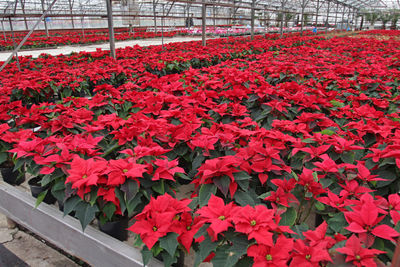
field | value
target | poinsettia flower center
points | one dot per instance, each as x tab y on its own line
390	207
177	217
308	257
188	228
125	170
84	176
358	257
253	223
222	217
268	257
155	229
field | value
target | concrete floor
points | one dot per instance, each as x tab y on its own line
29	249
91	48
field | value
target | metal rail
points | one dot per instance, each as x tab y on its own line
92	246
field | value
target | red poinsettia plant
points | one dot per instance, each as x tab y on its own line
289	146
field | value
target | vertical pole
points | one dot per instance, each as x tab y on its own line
155	16
162	27
214	18
316	15
4	32
110	29
348	19
327	17
14	44
336	13
23	12
281	26
203	23
355	17
252	19
344	8
302	19
83	29
44	20
264	18
70	12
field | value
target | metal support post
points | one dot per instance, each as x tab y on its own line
302	20
23	12
203	23
316	15
13	35
336	13
110	29
155	15
14	52
162	26
281	26
344	8
355	17
253	2
4	32
327	18
83	28
44	20
14	44
70	12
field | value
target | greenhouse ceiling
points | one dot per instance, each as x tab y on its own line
98	7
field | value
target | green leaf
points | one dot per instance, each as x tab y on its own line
288	217
40	198
70	204
243	198
205	248
168	260
131	188
348	157
223	184
241	176
133	203
146	255
319	206
325	182
183	176
205	192
337	222
120	195
159	187
169	243
388	174
85	213
336	103
299	229
315	176
328	132
109	210
228	256
3	157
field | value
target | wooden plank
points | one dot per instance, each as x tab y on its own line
92	246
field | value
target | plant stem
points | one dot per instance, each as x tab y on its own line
309	210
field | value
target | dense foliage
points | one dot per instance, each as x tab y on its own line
272	133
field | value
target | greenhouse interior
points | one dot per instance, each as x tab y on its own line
205	133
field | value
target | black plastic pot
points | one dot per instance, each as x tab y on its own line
116	229
11	177
36	189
